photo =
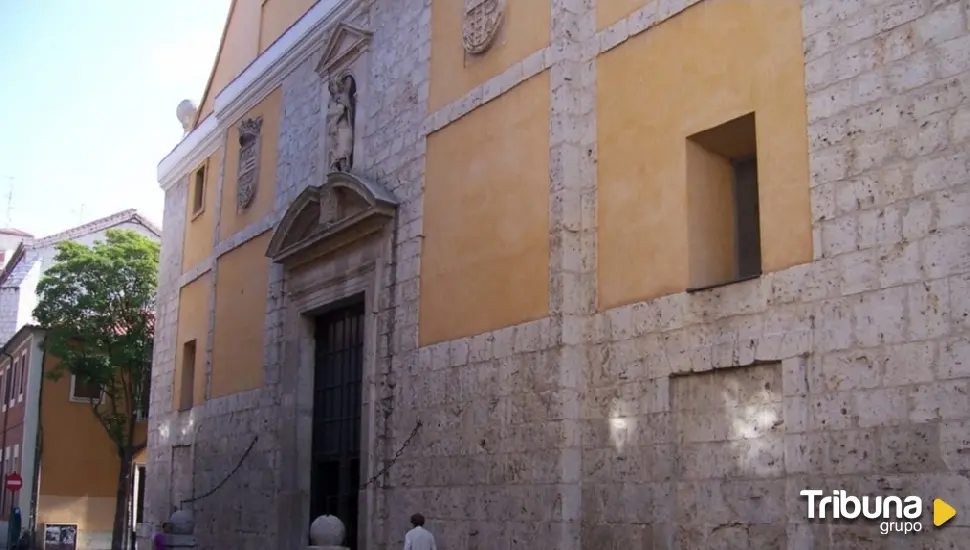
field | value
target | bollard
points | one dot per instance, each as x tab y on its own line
181	527
327	533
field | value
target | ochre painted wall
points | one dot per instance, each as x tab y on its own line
241	287
279	15
252	27
78	458
199	228
232	220
91	514
455	73
239	48
485	256
193	324
718	60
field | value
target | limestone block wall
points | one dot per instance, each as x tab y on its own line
694	420
192	451
690	421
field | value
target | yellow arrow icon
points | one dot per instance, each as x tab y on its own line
942	512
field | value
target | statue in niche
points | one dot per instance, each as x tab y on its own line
341	115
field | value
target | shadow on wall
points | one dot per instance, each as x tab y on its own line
708	454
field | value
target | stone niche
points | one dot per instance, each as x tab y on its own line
343	68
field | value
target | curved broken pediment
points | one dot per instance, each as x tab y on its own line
322	219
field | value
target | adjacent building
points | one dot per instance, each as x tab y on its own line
568	275
27	259
10	239
51	439
48	434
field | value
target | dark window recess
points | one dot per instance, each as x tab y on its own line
187	387
747	218
198	190
13	380
140	496
144	398
338	371
23	372
84	389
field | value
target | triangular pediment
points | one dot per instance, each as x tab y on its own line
345	44
326	217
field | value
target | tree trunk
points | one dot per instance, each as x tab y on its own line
121	503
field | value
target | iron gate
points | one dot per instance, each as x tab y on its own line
338	371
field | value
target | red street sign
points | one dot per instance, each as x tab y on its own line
13	482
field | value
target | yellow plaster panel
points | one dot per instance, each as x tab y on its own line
90	513
232	220
199	228
485	256
241	287
79	457
240	46
455	73
718	60
193	324
278	16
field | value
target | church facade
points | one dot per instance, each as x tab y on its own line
568	274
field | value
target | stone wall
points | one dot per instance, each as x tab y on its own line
693	420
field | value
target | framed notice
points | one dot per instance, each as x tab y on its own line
60	536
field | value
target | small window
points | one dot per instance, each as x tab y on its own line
12	395
724	241
8	386
198	191
141	409
84	391
23	373
140	495
187	382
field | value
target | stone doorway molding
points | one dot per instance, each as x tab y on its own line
334	243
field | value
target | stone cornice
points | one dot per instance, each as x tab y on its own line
260	78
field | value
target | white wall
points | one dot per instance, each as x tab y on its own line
18	296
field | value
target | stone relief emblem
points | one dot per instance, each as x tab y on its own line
483	19
248	175
329	206
340	122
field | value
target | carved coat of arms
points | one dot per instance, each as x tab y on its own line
248	175
483	19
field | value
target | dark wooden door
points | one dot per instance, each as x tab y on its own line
338	372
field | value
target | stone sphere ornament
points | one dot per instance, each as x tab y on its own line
327	531
185	112
182	522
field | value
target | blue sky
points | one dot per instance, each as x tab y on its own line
88	90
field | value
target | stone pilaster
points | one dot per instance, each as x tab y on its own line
572	238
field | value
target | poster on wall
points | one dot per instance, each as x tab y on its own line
60	536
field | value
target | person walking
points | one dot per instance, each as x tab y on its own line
419	538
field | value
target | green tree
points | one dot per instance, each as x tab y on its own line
97	304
